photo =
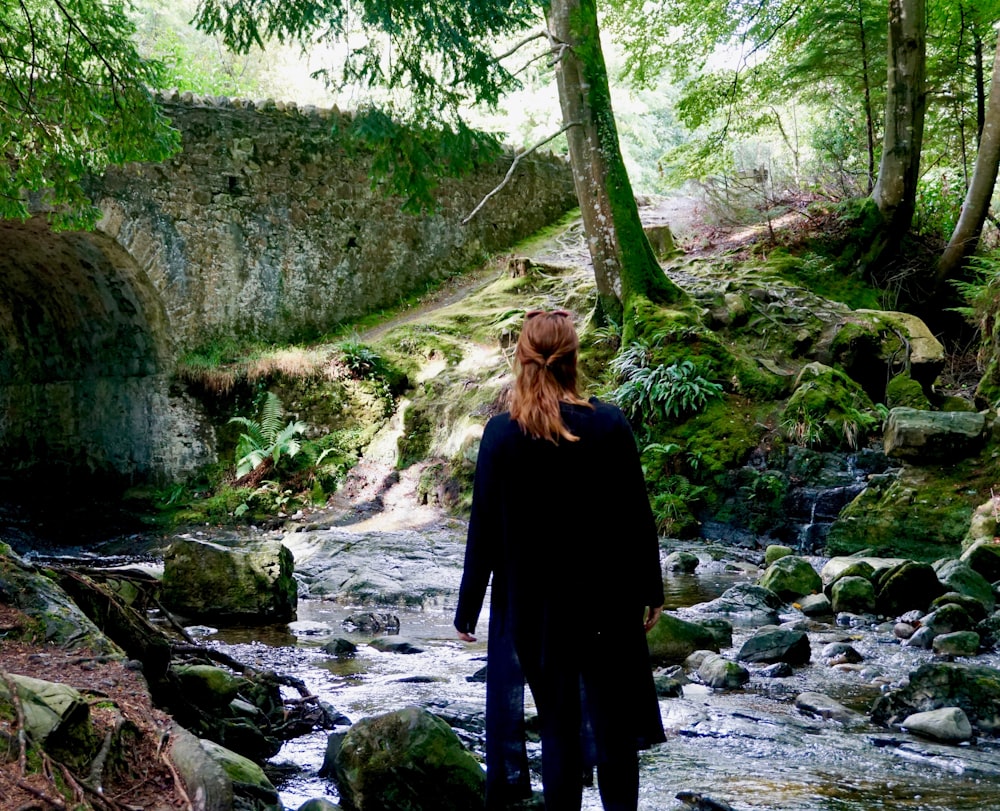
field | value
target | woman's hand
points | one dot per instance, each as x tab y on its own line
652	617
465	637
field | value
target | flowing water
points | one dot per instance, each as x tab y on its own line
749	747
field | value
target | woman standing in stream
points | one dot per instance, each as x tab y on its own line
561	521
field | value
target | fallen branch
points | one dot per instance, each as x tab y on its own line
178	783
513	166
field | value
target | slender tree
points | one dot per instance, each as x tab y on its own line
895	191
965	237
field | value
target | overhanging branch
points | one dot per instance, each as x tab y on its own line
513	166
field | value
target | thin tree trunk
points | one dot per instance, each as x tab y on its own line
895	192
980	85
869	114
969	228
624	263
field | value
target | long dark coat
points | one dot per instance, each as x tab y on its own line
567	534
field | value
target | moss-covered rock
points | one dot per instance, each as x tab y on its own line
904	391
984	557
974	688
252	583
790	577
959	576
828	410
932	436
853	594
907	586
408	760
672	640
920	513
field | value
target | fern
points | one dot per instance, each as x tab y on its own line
266	438
664	392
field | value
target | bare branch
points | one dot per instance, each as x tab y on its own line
513	166
522	43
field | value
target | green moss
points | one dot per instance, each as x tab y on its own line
903	390
923	515
828	410
824	276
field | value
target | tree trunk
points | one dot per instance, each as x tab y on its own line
624	263
965	238
869	115
895	192
980	85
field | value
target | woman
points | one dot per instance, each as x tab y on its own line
561	520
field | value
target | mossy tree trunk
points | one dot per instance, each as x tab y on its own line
895	192
624	262
969	228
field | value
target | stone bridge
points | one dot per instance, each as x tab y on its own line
263	227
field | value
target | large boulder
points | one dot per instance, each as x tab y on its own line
744	604
790	577
855	595
408	760
973	688
984	557
250	584
871	345
829	409
932	436
907	586
948	725
959	576
722	674
771	645
672	640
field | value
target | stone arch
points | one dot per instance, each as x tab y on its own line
86	357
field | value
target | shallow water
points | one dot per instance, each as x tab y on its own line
751	748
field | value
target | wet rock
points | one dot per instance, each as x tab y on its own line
791	577
720	673
744	604
857	568
702	802
973	688
685	562
984	555
840	653
959	643
208	686
853	594
929	436
973	607
672	640
775	551
822	706
922	638
776	645
340	648
319	804
408	760
948	724
251	789
903	630
394	645
721	629
948	619
815	605
372	623
908	585
989	630
844	564
779	670
249	584
957	575
912	617
693	662
668	687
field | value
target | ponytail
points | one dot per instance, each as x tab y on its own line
546	375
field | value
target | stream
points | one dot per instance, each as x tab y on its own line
749	747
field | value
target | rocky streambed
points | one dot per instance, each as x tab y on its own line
794	736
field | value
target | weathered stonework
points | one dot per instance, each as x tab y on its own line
265	226
262	227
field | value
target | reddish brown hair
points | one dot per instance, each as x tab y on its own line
546	375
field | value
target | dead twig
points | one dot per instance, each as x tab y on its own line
513	166
22	734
